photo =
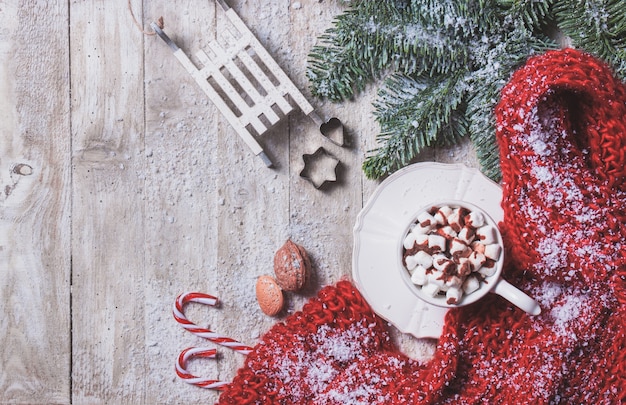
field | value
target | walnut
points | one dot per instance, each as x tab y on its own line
291	266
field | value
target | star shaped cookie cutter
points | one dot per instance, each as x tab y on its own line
320	167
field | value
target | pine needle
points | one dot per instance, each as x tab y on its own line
450	59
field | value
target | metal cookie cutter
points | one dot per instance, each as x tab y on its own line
333	130
243	81
319	167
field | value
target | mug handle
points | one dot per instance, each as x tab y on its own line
518	298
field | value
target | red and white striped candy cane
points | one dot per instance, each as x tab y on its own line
186	354
205	299
181	368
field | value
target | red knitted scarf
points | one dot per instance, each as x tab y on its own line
561	127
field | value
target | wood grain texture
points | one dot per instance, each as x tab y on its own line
255	208
108	222
123	186
35	204
180	198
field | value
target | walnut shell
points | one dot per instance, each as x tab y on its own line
269	295
291	266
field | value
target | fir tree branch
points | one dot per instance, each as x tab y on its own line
414	114
362	45
454	57
351	53
596	26
535	14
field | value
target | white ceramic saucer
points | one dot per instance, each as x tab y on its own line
382	222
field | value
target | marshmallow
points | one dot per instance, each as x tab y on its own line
454	220
430	290
426	220
493	251
488	271
411	263
457	246
436	278
419	276
421	258
409	241
441	262
436	242
422	240
470	285
478	247
442	214
453	296
464	267
418	229
477	260
486	235
447	232
454	282
475	219
412	238
467	234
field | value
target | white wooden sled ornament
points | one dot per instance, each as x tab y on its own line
243	81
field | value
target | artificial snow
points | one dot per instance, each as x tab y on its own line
315	362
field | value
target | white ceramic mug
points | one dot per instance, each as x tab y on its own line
493	283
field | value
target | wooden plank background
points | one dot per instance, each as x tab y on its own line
122	187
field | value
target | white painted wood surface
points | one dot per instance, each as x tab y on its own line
122	186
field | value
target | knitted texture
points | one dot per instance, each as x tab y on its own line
315	356
561	128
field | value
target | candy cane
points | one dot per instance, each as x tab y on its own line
205	299
181	368
181	364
